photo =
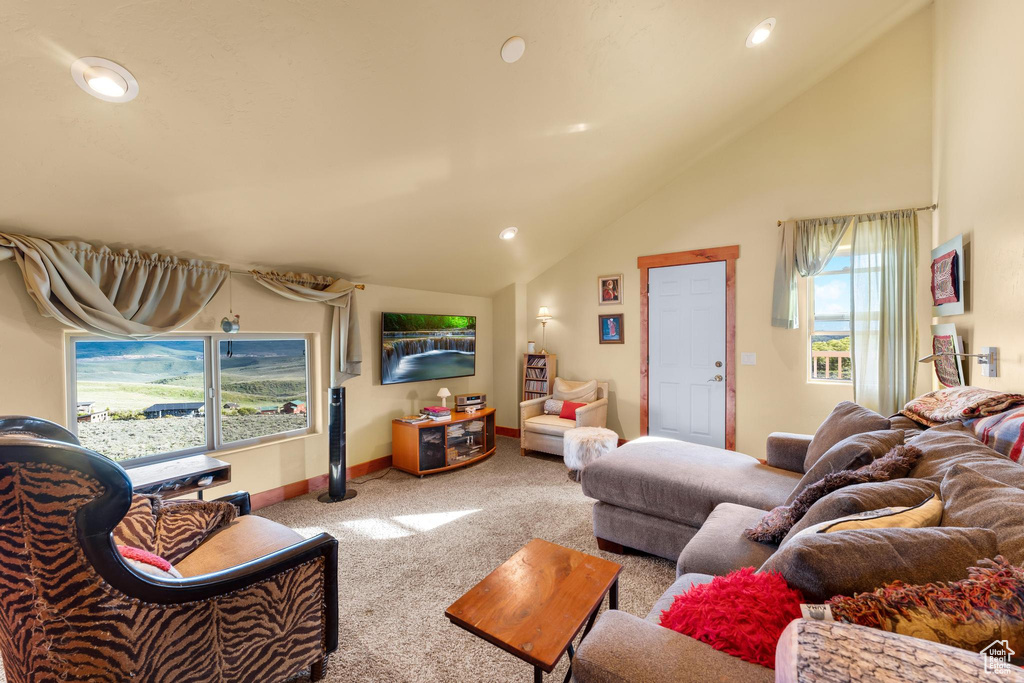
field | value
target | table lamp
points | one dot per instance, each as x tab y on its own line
443	394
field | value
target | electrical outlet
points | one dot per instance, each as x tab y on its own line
747	358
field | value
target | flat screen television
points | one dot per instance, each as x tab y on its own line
416	348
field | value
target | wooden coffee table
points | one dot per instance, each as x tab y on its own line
535	604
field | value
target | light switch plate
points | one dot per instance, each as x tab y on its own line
747	358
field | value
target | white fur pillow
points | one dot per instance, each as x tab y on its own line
577	392
552	407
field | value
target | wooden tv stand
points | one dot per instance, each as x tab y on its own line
430	447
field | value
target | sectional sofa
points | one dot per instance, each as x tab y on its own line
691	504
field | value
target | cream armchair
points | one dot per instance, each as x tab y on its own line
540	432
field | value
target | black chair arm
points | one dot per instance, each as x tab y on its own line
240	499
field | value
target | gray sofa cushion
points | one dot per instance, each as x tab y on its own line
720	546
974	500
948	445
846	419
623	648
872	495
678	587
683	481
847	562
849	454
654	535
909	428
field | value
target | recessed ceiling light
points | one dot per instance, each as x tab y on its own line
761	32
513	49
508	233
104	79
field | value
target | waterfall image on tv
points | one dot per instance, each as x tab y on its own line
417	347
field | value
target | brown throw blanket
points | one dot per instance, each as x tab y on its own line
959	403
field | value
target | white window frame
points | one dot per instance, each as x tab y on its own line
211	368
843	250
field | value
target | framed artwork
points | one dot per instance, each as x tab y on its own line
947	277
948	369
610	328
609	290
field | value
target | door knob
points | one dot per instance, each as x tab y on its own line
716	378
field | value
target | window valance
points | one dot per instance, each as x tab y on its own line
124	294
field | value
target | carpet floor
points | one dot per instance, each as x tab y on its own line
409	547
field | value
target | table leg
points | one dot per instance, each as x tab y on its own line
613	595
538	675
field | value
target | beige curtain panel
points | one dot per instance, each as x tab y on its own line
805	248
346	351
122	294
884	340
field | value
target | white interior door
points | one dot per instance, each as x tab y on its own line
686	369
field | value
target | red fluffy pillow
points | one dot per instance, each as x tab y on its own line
148	563
569	410
742	614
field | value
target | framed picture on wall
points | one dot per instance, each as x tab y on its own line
609	328
948	369
609	290
948	273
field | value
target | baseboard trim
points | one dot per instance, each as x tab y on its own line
301	488
622	441
507	431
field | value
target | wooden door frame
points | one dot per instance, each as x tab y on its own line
685	258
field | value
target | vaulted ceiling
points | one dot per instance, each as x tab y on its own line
387	140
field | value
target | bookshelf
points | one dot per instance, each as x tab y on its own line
539	371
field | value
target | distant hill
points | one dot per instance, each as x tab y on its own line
264	371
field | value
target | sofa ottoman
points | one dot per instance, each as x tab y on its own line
656	493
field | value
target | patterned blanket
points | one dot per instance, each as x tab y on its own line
959	403
1003	432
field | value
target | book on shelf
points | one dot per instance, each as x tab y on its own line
436	410
414	419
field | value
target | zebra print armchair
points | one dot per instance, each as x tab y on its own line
71	609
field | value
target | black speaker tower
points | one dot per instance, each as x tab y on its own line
336	490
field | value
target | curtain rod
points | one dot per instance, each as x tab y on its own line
246	272
919	208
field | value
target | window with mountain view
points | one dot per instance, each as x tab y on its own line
263	388
830	320
142	399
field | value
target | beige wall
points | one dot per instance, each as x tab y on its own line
509	347
32	349
979	172
858	141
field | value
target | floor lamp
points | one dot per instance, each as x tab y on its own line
336	484
543	316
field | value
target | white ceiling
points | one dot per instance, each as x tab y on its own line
387	140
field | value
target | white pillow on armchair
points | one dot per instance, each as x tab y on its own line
577	392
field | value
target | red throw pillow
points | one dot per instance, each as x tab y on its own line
569	410
742	614
147	562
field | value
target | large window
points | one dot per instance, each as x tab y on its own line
829	298
182	395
